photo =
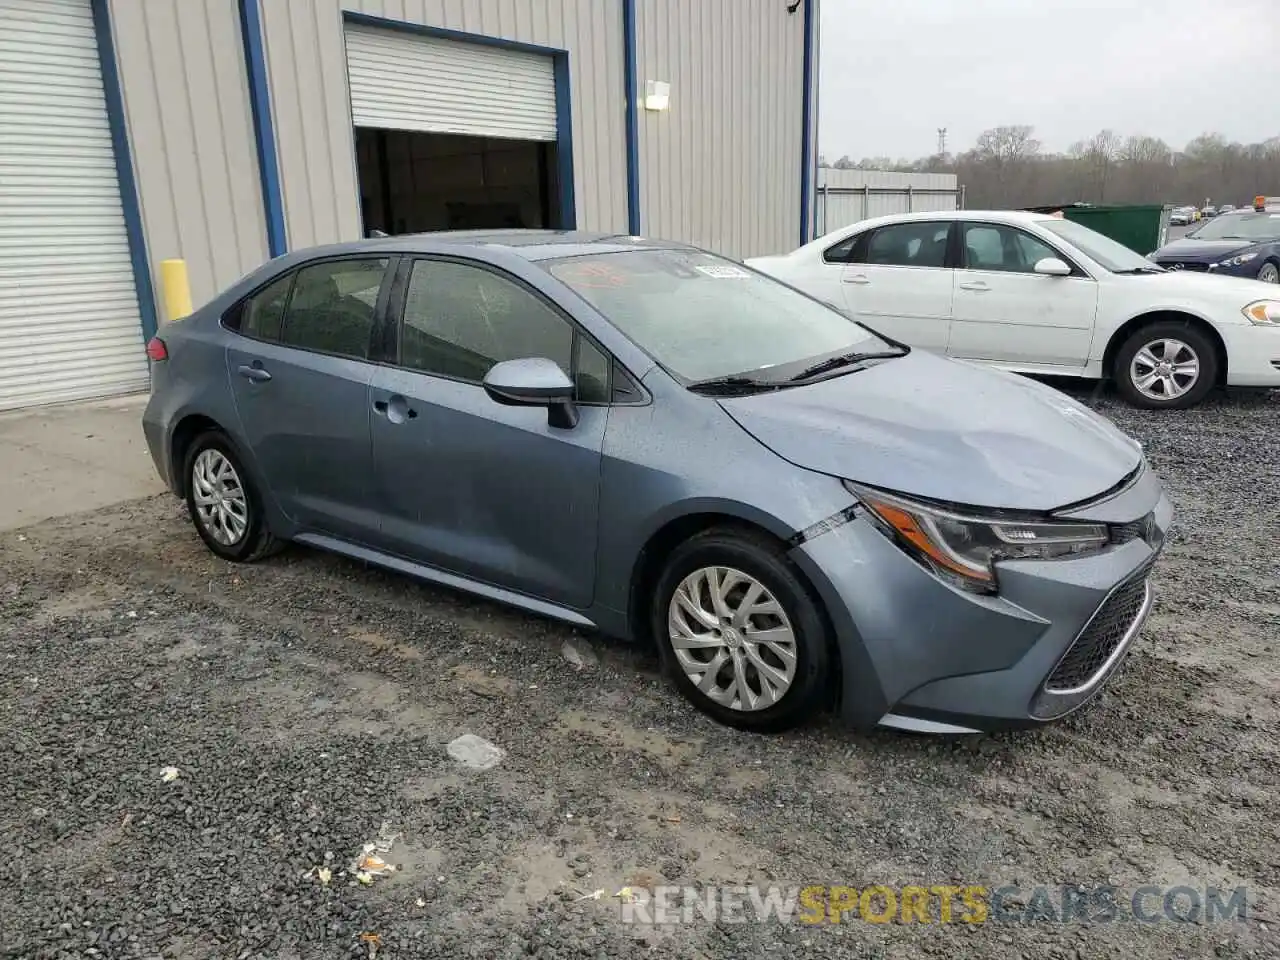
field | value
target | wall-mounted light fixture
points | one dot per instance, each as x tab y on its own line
657	95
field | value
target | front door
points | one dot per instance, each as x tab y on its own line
300	377
1007	313
901	284
491	492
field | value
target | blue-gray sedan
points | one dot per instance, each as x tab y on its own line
654	441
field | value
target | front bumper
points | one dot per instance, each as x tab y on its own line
920	654
1253	354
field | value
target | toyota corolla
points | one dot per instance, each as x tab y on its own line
662	444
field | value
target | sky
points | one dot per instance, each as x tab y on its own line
892	71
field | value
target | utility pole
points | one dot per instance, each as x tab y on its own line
942	141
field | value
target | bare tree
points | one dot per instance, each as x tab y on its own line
1006	168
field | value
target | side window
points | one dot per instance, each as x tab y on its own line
1032	250
992	247
591	378
261	315
842	251
333	305
459	320
912	244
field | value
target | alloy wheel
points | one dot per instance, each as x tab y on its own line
732	638
222	508
1164	369
1269	273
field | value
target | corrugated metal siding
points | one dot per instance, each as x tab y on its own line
181	65
721	167
400	81
69	321
307	65
841	198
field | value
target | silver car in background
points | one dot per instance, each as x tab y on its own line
665	445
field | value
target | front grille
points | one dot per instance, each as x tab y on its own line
1100	639
1183	265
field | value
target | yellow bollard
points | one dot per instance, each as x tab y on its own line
175	289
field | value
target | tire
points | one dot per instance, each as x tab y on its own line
243	538
1269	272
1187	344
746	561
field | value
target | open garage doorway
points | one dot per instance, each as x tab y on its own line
411	181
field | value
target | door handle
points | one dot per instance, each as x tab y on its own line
974	285
396	409
858	278
253	372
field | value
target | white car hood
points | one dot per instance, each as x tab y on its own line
1230	292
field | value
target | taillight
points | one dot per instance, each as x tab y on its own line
156	349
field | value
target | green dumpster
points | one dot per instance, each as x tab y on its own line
1140	227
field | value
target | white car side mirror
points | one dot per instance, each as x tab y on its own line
1052	267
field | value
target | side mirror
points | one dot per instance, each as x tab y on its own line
533	382
1052	267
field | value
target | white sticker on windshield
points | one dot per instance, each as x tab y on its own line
723	272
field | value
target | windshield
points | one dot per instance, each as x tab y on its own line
701	316
1240	226
1104	251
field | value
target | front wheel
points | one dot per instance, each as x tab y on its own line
1166	364
739	632
1269	273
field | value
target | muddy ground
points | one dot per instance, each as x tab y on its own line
306	701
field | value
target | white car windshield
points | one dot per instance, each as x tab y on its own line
702	317
1107	253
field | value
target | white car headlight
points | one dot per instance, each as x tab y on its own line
964	549
1264	313
1236	261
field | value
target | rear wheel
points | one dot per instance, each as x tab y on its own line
1166	364
739	632
222	501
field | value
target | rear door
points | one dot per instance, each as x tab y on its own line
1007	313
492	492
899	281
300	375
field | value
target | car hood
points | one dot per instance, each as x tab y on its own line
1209	251
944	430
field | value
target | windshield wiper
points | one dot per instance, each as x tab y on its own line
733	384
844	360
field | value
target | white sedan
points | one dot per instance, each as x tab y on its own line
1038	294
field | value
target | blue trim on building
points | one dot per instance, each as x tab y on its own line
564	142
255	64
114	96
560	66
631	84
807	161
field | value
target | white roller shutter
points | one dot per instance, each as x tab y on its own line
401	81
69	323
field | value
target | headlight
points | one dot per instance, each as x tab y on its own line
1236	261
1265	313
964	549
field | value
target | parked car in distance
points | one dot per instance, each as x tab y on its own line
1241	243
1208	212
1181	216
1225	208
1040	295
663	444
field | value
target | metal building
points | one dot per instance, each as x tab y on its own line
223	132
847	196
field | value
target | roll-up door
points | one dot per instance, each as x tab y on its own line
403	81
69	322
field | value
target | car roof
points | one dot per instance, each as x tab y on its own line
994	216
530	245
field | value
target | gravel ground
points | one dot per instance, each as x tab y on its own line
306	701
